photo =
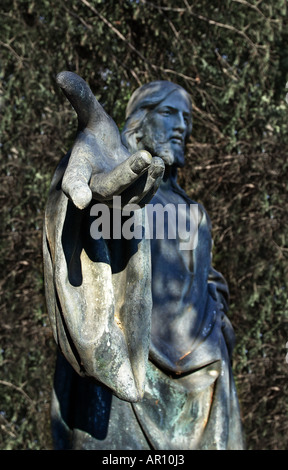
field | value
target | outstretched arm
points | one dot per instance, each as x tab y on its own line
98	293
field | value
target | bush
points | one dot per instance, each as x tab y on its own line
232	59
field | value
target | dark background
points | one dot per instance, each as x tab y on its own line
232	57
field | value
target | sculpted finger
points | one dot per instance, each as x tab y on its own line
155	174
75	182
148	184
106	185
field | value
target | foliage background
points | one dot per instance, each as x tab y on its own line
232	56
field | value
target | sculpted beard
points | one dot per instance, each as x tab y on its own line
172	154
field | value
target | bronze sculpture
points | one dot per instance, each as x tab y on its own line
145	343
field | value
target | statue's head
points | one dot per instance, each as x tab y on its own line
159	120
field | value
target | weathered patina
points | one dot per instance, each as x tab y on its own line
144	340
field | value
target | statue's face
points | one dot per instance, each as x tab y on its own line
165	129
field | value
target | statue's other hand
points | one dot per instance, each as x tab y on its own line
100	166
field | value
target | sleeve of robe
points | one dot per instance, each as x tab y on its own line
99	308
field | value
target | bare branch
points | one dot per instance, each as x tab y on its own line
158	7
254	7
88	26
188	10
116	31
7	46
144	59
226	26
18	389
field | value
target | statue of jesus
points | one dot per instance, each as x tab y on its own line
144	340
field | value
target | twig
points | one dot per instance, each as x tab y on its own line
116	31
120	36
178	10
254	7
226	26
21	59
18	389
88	26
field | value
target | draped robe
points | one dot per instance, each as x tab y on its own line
144	341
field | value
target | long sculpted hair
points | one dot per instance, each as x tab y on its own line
143	100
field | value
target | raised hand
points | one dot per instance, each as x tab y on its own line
100	167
